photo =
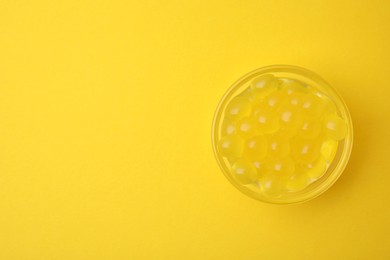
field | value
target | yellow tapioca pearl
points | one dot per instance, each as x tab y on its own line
316	169
271	185
278	146
290	120
231	146
261	167
312	105
238	108
330	107
297	182
228	127
247	127
254	96
310	128
295	99
305	150
261	87
335	127
265	83
328	149
283	167
276	99
267	120
256	147
244	171
291	86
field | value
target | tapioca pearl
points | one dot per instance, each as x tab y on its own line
244	171
335	127
278	146
283	167
246	93
261	87
265	83
231	146
238	108
330	106
267	121
228	127
329	148
256	147
262	81
297	182
261	167
254	96
312	105
272	186
261	108
316	169
305	150
295	99
276	99
310	128
291	86
290	118
247	127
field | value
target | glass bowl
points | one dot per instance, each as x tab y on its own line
282	135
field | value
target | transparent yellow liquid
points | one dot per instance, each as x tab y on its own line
280	135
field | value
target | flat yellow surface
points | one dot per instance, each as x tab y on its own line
105	125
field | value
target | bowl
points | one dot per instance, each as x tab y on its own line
282	135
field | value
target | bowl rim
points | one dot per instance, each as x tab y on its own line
348	141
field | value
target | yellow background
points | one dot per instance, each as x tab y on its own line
105	117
